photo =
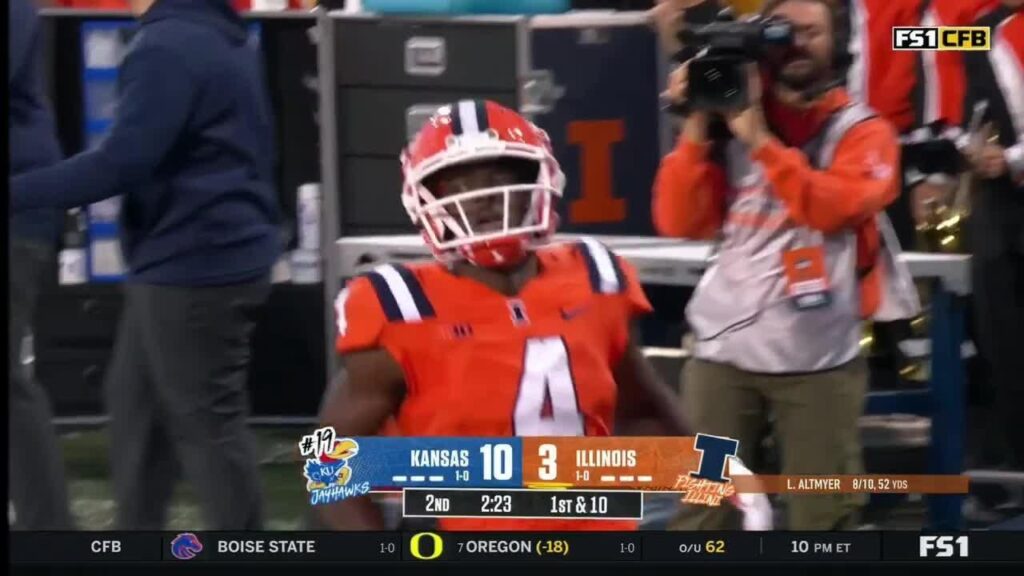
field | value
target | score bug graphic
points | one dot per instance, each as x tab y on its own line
650	463
437	474
626	463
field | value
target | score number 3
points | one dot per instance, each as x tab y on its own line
548	462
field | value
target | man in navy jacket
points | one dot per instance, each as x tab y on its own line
36	471
192	152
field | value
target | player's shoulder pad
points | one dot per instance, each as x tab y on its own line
604	268
400	293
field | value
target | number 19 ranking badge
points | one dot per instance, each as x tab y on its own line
328	470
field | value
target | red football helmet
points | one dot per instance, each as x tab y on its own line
470	132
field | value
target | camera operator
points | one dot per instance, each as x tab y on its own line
792	197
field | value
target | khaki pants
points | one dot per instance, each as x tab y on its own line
815	427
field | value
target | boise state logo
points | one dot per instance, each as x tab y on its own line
186	546
329	473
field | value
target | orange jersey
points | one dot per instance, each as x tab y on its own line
942	78
878	76
479	363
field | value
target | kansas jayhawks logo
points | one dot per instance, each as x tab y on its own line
328	476
331	468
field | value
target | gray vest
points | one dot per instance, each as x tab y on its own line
740	313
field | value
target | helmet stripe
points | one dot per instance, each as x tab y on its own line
481	115
456	120
468	117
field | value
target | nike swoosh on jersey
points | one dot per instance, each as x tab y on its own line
570	313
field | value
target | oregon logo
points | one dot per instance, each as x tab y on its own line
421	551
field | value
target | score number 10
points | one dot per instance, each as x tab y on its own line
498	461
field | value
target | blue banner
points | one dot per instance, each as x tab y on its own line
436	462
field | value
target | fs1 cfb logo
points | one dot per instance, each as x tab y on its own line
928	38
943	547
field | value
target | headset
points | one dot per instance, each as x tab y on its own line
842	59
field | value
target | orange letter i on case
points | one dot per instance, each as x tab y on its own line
596	202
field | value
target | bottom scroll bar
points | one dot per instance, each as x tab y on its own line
702	546
523	546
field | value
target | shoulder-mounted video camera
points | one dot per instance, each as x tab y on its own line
717	75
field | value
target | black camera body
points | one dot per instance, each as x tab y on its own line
717	75
932	149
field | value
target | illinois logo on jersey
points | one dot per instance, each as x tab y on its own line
328	471
518	312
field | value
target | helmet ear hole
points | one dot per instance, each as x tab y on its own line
431	183
527	171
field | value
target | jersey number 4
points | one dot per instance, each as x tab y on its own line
547	404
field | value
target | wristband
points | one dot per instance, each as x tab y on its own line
1015	160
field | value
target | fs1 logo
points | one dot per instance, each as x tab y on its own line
928	38
943	547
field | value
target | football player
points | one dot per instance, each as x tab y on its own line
503	335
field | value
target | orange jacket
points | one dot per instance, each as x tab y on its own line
891	81
943	79
690	191
883	78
